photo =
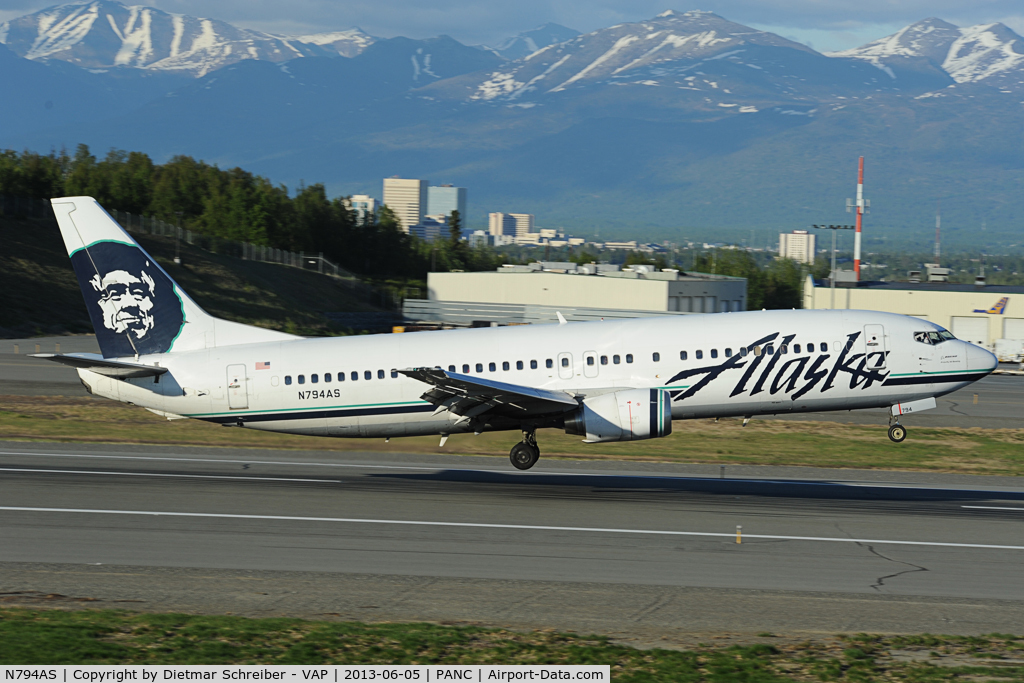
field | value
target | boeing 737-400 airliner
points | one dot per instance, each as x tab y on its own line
605	381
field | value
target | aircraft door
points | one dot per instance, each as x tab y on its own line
875	347
590	364
565	365
238	387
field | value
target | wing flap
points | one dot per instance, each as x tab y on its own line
469	396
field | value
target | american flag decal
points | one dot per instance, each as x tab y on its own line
263	366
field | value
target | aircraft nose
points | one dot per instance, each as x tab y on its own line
980	359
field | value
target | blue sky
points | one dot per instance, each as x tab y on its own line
823	24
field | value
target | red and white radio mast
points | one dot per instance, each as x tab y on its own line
861	204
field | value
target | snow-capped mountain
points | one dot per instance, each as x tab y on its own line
528	42
346	43
988	53
694	57
103	34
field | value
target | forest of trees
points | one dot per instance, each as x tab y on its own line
237	205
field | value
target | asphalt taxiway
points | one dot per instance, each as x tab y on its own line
586	546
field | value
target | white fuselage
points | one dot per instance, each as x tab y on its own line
752	363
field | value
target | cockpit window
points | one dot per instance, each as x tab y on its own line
933	337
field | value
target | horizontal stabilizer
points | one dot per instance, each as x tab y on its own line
96	363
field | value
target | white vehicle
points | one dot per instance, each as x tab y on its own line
605	381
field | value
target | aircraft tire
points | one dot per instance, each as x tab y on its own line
897	433
524	456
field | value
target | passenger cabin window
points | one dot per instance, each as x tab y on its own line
714	353
327	377
533	365
823	346
380	374
656	357
492	367
394	373
796	348
314	378
519	365
698	354
682	355
354	376
505	365
590	360
549	363
744	352
565	362
465	368
451	368
615	359
302	379
479	367
769	349
629	358
367	374
287	379
604	360
341	376
728	352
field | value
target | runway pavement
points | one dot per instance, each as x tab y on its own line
598	547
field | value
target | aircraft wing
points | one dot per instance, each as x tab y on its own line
101	366
469	397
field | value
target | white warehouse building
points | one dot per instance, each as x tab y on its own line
980	314
641	288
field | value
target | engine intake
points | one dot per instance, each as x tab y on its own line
630	415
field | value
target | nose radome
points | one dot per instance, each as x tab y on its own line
980	359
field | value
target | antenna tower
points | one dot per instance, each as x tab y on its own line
860	205
938	226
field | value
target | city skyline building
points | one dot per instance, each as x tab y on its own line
524	223
444	199
500	224
407	198
362	205
797	245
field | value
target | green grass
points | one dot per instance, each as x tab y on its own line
763	442
115	637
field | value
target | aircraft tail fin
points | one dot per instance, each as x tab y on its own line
135	306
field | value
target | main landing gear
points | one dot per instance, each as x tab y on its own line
897	433
525	454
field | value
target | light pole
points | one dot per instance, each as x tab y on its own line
832	274
177	239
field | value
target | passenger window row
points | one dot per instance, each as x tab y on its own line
328	377
767	349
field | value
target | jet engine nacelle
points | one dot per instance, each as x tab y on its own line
629	415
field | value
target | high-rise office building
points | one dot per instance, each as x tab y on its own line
797	245
524	223
444	199
501	224
407	198
361	205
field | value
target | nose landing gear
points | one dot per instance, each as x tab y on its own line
897	433
525	454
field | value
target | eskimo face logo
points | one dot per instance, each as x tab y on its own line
132	303
126	301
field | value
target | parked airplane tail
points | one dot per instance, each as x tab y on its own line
135	306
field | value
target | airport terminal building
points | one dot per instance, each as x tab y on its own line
981	314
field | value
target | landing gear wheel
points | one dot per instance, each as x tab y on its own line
524	456
897	433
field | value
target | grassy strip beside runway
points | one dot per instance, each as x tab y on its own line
762	442
116	637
